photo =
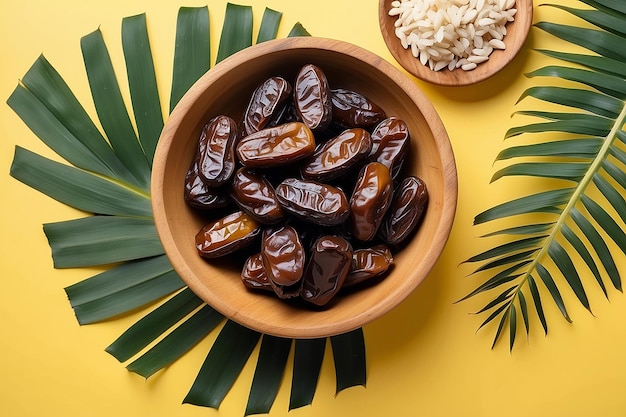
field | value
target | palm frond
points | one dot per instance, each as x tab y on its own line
192	52
111	109
349	353
268	374
153	325
237	33
110	239
307	363
177	342
585	165
108	177
225	360
124	288
269	25
142	84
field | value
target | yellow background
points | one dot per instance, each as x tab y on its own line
425	358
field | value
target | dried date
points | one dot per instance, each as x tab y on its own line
370	200
335	157
406	211
267	101
351	109
278	145
253	274
226	235
283	256
313	202
391	142
201	196
256	196
216	162
312	97
329	264
367	264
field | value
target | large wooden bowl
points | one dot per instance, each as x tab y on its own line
225	89
517	32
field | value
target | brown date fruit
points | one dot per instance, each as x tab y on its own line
370	200
338	155
283	256
312	97
253	274
351	109
368	263
314	202
267	100
278	145
329	264
391	141
407	208
216	150
226	235
255	195
199	195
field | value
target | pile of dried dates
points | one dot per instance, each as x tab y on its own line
314	175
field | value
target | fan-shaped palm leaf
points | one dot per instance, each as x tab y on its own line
588	162
109	177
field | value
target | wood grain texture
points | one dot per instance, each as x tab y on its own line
517	32
225	89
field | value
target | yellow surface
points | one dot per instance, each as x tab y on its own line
424	358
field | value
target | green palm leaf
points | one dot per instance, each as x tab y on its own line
77	188
236	32
269	25
349	354
226	359
47	105
150	327
192	53
111	109
585	164
142	83
179	341
122	289
101	240
307	362
268	374
108	176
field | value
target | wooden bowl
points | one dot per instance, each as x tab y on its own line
517	32
225	89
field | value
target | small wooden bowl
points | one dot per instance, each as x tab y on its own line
225	89
517	32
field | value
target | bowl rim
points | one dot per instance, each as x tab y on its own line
452	78
440	136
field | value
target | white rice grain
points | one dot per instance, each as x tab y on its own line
480	51
477	59
452	33
440	65
469	16
497	44
496	34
